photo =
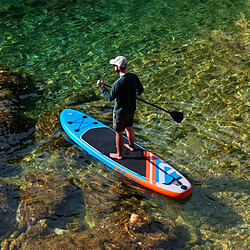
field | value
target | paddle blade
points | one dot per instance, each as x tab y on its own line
177	116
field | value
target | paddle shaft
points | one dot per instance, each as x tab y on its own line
139	99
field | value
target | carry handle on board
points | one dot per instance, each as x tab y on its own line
176	115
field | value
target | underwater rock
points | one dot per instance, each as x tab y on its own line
7	170
15	87
105	201
108	212
159	231
135	219
50	198
17	93
48	123
99	201
48	130
8	208
111	234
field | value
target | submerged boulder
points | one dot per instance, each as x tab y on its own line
17	93
48	201
112	233
48	129
8	208
15	88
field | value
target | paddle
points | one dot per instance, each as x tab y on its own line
176	115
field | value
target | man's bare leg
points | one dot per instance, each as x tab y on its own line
119	145
131	135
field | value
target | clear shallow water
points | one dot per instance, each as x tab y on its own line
190	55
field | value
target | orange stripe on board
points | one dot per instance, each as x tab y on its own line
153	168
147	155
153	186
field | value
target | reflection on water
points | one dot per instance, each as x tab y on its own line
190	55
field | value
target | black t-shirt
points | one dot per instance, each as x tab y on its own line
124	92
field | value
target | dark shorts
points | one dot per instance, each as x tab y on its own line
123	121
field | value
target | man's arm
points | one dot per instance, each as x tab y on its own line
109	95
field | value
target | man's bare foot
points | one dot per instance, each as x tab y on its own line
131	148
115	156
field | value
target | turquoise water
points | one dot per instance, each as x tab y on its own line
190	55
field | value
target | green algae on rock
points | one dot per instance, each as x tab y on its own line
111	233
17	95
48	129
15	87
8	208
45	196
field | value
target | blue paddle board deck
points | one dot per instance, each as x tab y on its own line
140	166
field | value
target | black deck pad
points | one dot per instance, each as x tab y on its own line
103	139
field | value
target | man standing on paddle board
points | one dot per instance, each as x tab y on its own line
124	92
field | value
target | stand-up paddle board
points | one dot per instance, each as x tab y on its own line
140	166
